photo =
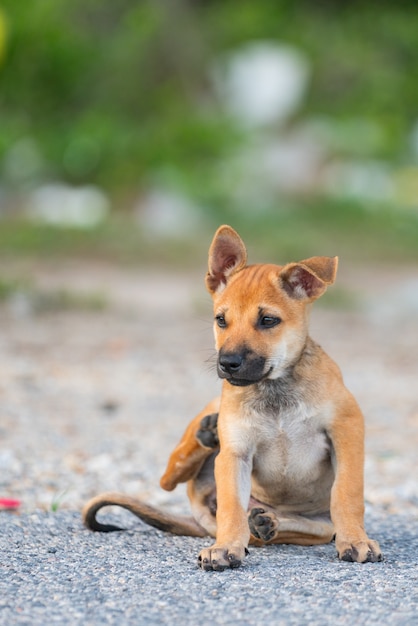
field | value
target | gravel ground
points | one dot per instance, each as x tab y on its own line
94	401
55	571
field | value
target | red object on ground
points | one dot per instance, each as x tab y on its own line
9	504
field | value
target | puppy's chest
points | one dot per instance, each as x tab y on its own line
292	445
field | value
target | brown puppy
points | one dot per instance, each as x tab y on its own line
279	457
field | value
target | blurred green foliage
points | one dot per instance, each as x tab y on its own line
107	90
118	92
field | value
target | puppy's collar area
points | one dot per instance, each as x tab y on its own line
275	396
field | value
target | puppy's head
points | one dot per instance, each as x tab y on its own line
261	321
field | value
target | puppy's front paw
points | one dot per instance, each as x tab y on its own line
219	557
207	435
363	551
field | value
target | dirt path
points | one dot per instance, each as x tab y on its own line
94	401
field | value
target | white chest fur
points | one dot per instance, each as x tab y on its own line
292	457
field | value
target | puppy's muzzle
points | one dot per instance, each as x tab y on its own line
241	368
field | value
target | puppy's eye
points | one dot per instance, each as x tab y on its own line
268	321
220	320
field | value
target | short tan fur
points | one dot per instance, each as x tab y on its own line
279	457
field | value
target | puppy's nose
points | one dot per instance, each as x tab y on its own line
230	362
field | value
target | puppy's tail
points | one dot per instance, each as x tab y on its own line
175	524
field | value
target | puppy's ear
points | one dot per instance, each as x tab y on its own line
308	279
227	255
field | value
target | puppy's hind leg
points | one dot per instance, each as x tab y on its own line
268	526
197	444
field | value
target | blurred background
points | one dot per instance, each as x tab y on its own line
130	130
